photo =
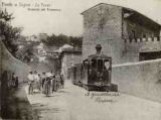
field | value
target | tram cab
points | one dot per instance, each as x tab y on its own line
98	68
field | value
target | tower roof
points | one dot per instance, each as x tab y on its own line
126	9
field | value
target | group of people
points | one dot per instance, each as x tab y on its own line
13	82
46	83
9	80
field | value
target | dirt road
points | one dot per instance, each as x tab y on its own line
73	103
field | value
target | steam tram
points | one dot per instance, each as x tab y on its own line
95	73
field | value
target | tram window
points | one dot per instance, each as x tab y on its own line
94	63
100	65
107	64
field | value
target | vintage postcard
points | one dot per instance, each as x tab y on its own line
80	59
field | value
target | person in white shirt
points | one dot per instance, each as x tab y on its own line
48	83
37	81
30	82
49	74
36	77
30	77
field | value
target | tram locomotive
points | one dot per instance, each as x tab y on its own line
94	74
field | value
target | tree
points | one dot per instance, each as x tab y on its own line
76	41
5	15
8	32
60	40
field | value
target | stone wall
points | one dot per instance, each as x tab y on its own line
135	46
11	64
142	79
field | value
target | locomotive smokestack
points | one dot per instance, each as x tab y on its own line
98	48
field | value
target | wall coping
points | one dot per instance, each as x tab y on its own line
136	63
142	40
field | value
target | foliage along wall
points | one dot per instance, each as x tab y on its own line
11	64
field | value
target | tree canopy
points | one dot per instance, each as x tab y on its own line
9	33
59	40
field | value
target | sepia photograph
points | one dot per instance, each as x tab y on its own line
80	59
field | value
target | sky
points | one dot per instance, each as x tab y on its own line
69	21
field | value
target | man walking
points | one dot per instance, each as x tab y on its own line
53	83
62	80
30	82
37	81
43	77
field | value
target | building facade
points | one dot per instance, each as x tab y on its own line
124	34
69	58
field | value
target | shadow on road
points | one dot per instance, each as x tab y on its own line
15	105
